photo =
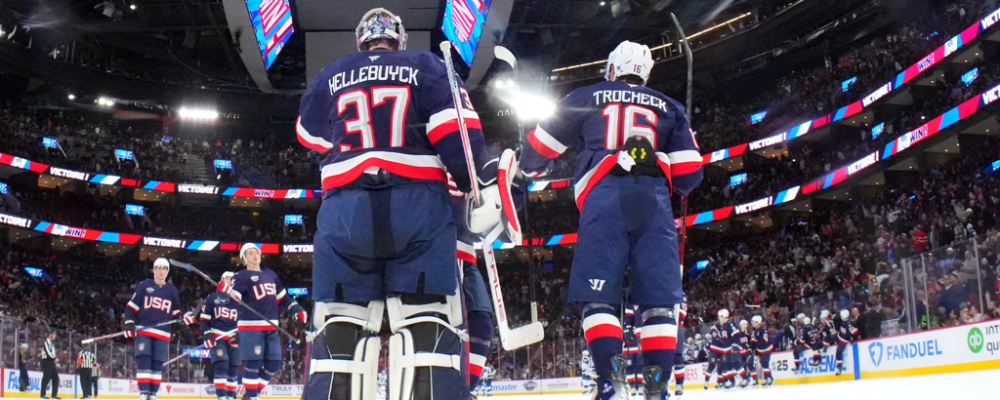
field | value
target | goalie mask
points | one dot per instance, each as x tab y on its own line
380	23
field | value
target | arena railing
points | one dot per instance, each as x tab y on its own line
947	286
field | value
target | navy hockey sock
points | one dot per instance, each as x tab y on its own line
144	372
155	376
659	336
480	335
603	332
251	378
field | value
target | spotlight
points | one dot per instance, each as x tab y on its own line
71	96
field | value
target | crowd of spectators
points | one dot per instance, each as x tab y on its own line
723	120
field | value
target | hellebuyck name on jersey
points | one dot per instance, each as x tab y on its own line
400	73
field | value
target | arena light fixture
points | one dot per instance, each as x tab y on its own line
198	114
105	102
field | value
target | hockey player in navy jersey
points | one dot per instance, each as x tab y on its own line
218	319
260	289
679	372
385	239
846	334
741	347
720	345
763	347
635	149
828	332
812	339
154	301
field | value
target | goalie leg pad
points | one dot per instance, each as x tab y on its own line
344	357
425	349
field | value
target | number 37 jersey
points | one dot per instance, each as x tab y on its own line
392	110
599	119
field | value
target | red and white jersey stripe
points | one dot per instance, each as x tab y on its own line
445	121
412	166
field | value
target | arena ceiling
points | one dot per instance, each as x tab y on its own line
188	43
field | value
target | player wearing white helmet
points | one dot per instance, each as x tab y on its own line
155	301
637	149
828	332
385	240
720	345
761	343
846	334
259	288
741	347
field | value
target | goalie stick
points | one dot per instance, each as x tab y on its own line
509	338
190	267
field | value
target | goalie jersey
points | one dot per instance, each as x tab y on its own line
598	119
392	110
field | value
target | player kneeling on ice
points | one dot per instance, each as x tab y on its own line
260	289
219	316
635	149
386	239
154	302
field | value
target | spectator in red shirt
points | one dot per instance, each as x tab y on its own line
919	239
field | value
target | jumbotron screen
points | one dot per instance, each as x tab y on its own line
463	25
272	23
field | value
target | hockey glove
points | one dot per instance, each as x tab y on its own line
129	328
189	318
484	218
209	339
234	340
299	316
225	287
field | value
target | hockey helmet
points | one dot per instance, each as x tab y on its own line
723	313
379	23
743	323
800	316
844	314
246	247
629	59
757	320
806	320
824	314
228	274
161	262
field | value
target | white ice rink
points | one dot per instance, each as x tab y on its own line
975	385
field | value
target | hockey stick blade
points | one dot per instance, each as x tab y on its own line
510	339
503	54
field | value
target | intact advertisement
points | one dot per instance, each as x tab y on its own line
962	348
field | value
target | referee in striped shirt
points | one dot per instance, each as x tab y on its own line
85	363
49	373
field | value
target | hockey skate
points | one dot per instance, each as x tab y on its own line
839	370
744	383
612	385
656	386
679	391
